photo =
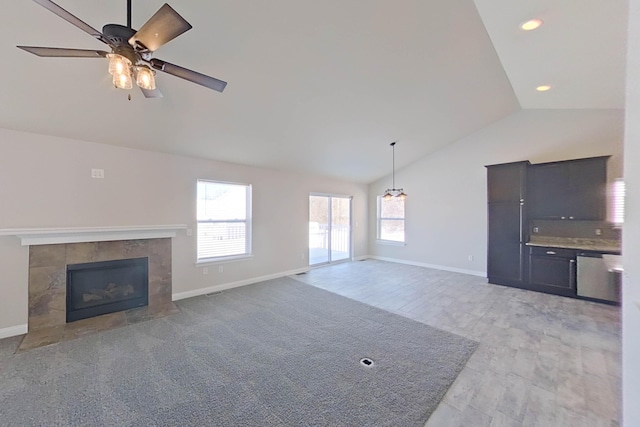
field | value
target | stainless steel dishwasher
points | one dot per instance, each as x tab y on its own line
594	279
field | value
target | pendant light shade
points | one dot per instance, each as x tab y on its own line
394	192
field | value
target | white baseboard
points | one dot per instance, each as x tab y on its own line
231	285
13	331
434	266
362	257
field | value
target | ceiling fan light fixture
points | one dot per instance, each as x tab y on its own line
145	78
118	64
131	49
123	80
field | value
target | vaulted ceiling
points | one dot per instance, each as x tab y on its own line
319	87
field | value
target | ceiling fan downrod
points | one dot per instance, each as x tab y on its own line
129	13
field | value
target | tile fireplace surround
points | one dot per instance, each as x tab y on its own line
48	273
50	253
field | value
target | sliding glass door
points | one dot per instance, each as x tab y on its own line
329	228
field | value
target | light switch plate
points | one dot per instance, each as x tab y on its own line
97	173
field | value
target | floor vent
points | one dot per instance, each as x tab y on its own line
301	274
365	361
213	294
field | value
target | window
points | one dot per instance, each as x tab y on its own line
617	205
224	220
391	219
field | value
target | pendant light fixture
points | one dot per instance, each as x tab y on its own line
394	192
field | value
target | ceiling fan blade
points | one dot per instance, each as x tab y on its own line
192	76
72	19
151	93
165	25
59	52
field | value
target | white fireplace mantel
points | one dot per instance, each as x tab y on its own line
51	236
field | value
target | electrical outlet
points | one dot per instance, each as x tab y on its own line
536	229
598	231
220	269
205	270
470	257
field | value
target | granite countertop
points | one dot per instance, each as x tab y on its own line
598	245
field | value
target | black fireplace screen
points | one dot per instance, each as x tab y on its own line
97	288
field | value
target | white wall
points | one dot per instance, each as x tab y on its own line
446	207
631	229
45	182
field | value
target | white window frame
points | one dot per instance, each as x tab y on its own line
247	221
379	220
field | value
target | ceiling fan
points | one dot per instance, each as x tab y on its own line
131	50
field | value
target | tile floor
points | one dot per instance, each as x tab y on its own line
543	360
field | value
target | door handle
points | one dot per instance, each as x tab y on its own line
551	253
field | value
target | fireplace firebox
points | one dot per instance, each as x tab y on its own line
97	288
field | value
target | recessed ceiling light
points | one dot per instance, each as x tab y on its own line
543	88
531	24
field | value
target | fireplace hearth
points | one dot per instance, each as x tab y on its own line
97	288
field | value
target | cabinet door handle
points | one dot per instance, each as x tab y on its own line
571	272
563	217
551	253
570	217
521	214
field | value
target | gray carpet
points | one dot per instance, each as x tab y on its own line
278	353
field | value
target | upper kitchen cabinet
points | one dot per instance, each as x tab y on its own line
506	182
571	189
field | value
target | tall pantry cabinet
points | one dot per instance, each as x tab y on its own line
507	230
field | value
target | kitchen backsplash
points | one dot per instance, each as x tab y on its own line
577	229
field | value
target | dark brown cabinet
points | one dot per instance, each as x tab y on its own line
519	192
568	190
506	182
553	270
506	190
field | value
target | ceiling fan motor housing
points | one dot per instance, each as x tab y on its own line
118	37
118	34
